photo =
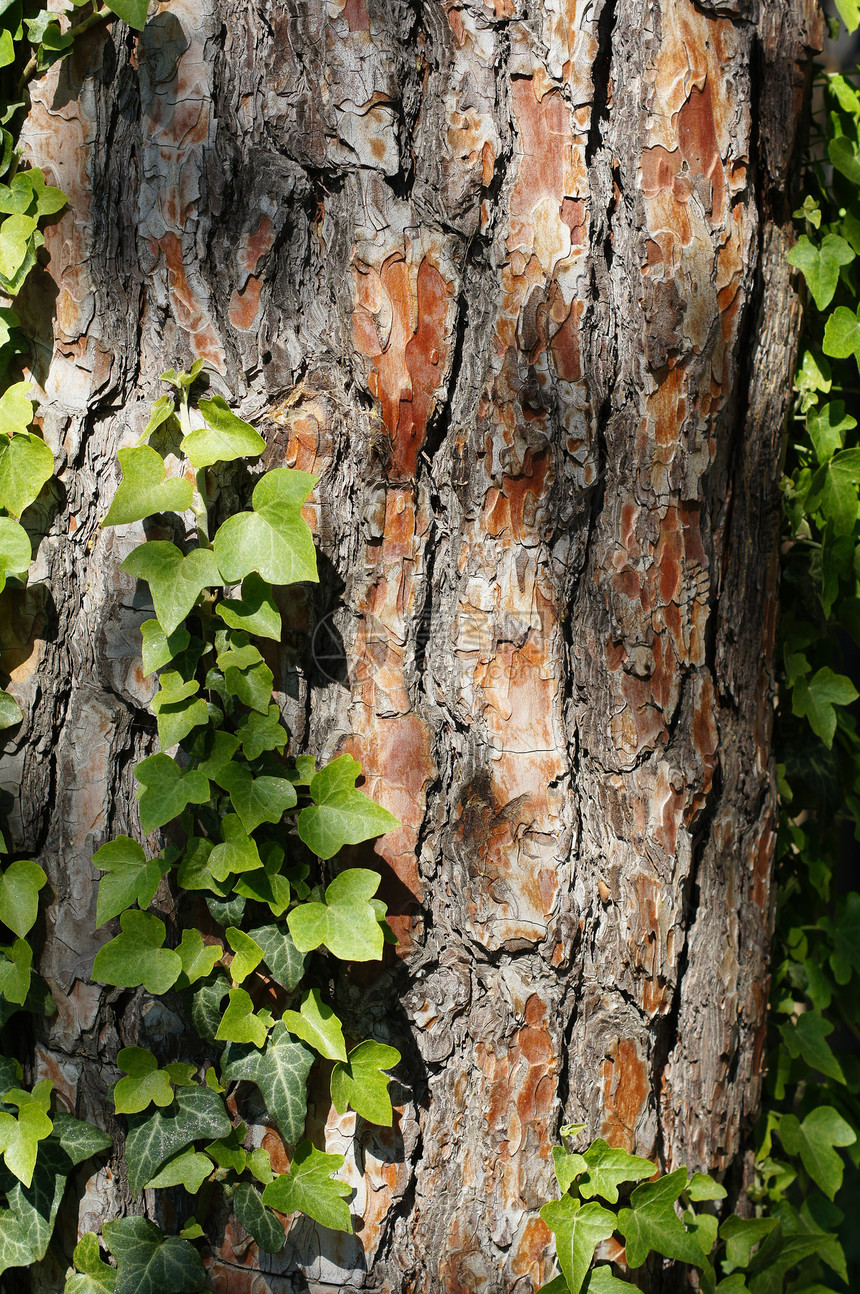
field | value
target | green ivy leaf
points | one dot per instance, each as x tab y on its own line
189	1168
779	1254
256	612
341	814
10	712
827	428
346	923
144	490
175	582
225	437
130	877
14	551
79	1140
285	963
601	1281
137	956
26	463
166	790
578	1230
133	14
806	1036
843	154
266	887
274	539
158	649
608	1168
361	1083
237	853
149	1262
16	971
652	1223
310	1188
317	1025
814	1141
240	1024
256	799
815	699
144	1085
280	1072
94	1276
261	732
196	1112
702	1187
163	409
849	12
844	932
252	685
248	955
19	896
834	490
206	1002
198	958
16	248
567	1167
20	1137
259	1221
820	265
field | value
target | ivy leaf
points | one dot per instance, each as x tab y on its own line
567	1167
652	1223
274	539
317	1025
133	14
601	1281
149	1262
266	887
259	1221
814	1141
778	1254
842	333
196	1112
844	931
16	971
221	747
175	582
94	1276
129	877
206	1004
198	958
194	873
19	895
827	428
240	1024
578	1230
79	1140
20	1137
16	249
361	1083
703	1187
10	712
248	956
189	1168
742	1234
144	1085
842	152
280	1072
346	923
145	490
310	1188
225	437
834	490
158	649
256	611
137	956
15	550
285	963
806	1036
178	714
341	814
237	853
815	699
849	12
165	790
261	732
820	265
608	1167
256	799
26	463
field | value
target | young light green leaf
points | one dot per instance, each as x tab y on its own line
578	1230
311	1188
158	649
317	1025
16	410
259	1221
165	790
256	799
20	1137
652	1223
130	877
15	550
280	1072
26	463
19	895
567	1167
16	971
144	1085
237	853
360	1082
285	963
229	1152
255	612
274	539
154	1138
137	956
163	408
94	1276
842	334
189	1168
149	1262
608	1168
133	14
601	1281
849	12
16	247
248	955
842	153
175	582
145	490
702	1187
10	713
346	923
225	437
261	732
827	428
814	1140
820	264
252	685
240	1024
198	958
815	699
341	814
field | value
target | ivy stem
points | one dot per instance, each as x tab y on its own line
92	21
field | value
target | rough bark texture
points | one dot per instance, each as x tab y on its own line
512	279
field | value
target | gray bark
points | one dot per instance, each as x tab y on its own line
512	280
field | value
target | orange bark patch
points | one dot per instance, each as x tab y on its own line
697	137
245	305
625	1093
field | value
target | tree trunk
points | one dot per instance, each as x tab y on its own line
512	281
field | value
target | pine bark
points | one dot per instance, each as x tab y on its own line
511	279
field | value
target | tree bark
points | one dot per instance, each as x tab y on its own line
511	279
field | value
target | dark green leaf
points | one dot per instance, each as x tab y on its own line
157	1136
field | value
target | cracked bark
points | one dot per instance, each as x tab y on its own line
512	280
